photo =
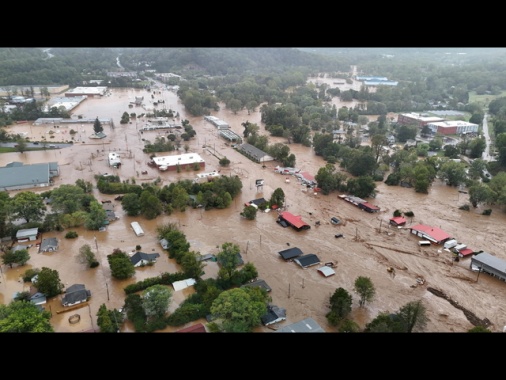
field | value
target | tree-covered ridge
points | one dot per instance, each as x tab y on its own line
34	66
225	61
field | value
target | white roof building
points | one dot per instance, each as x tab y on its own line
182	159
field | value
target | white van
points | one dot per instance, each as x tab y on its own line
424	243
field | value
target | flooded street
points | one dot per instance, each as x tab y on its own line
368	248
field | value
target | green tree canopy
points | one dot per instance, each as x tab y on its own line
120	264
156	300
340	306
48	282
28	205
23	317
239	309
97	126
365	289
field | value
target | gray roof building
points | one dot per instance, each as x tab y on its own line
307	260
140	258
274	314
18	176
485	262
75	294
258	283
254	153
49	245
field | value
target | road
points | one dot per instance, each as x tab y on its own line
486	154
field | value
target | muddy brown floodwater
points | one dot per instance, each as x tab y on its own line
369	246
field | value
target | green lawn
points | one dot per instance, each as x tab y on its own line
484	100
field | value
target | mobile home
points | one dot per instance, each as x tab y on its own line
137	228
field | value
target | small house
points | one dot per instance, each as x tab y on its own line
49	245
307	260
75	294
290	253
398	221
141	258
274	315
258	283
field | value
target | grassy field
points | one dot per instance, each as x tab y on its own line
484	100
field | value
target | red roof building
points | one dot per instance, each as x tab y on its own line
466	252
433	234
294	220
198	328
398	221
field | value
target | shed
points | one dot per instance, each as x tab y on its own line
29	234
183	284
466	252
326	271
307	260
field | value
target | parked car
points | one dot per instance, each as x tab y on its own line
334	220
338	236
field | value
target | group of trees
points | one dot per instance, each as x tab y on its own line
410	317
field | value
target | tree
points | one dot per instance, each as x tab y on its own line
192	266
109	320
377	143
228	258
249	212
20	145
48	282
454	173
24	317
224	161
277	197
156	300
340	306
96	217
120	264
20	256
413	316
362	187
86	256
150	205
239	309
67	199
28	205
131	204
365	288
97	126
480	193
